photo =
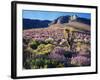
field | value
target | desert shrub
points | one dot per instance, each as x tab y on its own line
80	61
26	40
34	44
27	64
40	40
44	49
44	63
69	54
49	40
85	53
57	54
28	54
58	50
43	60
49	47
37	63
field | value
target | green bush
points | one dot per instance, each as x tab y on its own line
44	63
34	44
44	49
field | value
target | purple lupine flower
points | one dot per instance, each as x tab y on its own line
80	61
57	54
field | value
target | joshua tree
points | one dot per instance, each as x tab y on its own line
68	34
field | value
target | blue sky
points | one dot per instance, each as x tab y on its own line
50	15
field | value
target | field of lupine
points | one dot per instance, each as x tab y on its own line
52	48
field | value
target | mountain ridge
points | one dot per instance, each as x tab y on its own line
35	23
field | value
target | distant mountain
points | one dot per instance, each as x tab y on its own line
66	19
61	19
35	23
29	23
77	23
84	20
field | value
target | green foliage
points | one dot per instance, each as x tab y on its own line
44	63
49	47
44	49
60	65
27	65
34	44
39	48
